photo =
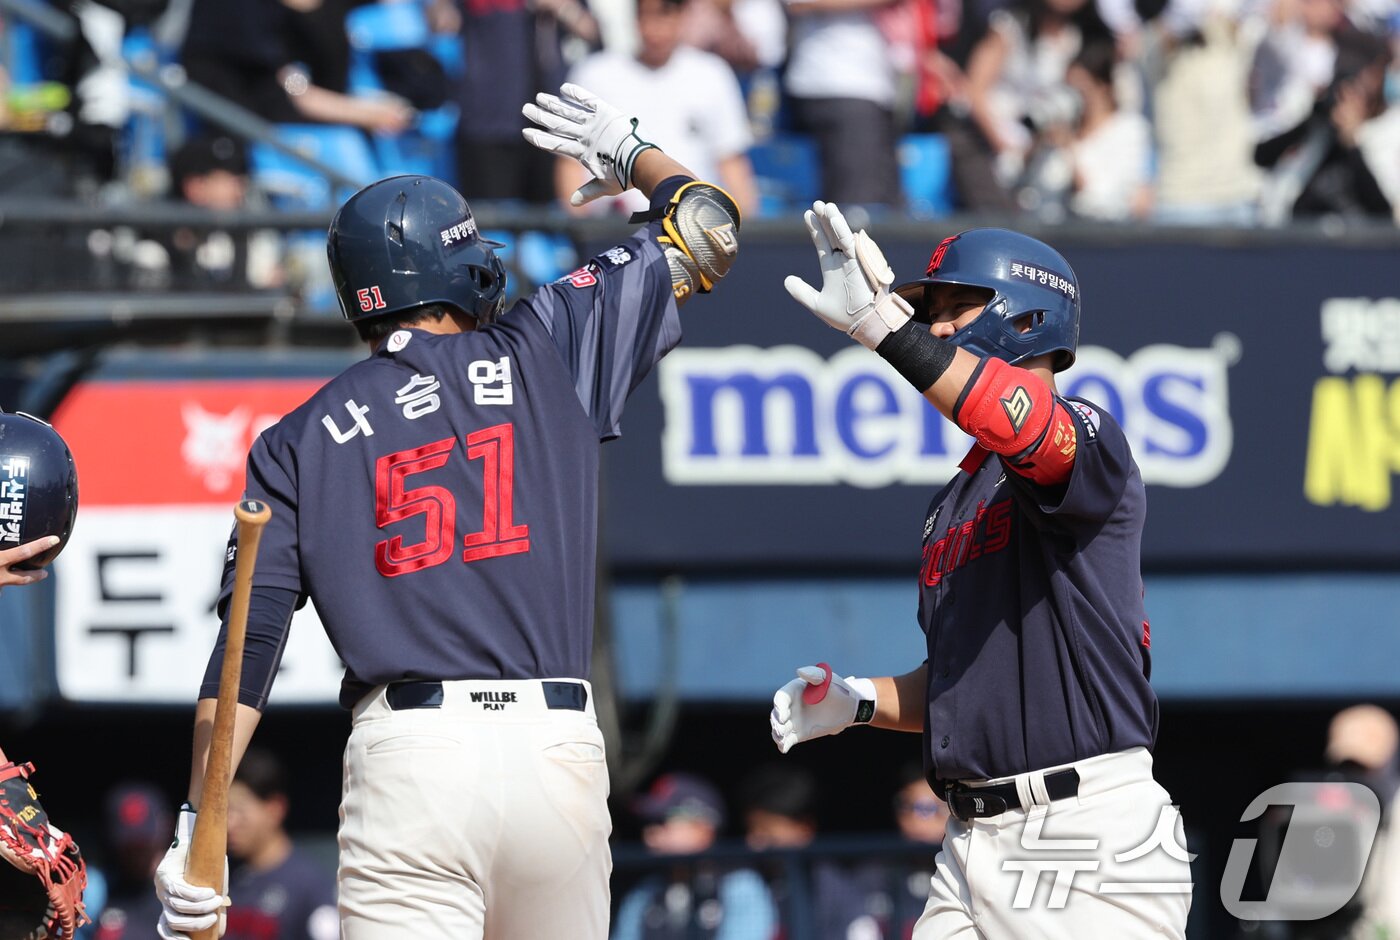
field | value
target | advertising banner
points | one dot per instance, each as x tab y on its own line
1258	387
160	468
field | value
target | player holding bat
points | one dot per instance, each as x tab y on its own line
437	502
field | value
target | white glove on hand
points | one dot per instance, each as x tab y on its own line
583	126
794	720
856	278
186	908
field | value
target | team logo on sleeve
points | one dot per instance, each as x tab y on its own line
1088	419
1017	406
616	257
586	276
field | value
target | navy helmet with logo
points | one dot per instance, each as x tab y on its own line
408	241
1032	286
38	486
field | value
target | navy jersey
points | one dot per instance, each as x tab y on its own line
437	502
293	901
1031	599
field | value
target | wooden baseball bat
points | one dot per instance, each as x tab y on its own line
208	848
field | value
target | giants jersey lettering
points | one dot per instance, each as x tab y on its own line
425	497
1031	602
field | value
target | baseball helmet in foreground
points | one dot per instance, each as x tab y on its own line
1028	278
38	486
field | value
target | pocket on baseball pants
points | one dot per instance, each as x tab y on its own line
412	742
576	752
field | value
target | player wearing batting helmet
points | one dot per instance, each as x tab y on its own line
38	497
437	502
1034	700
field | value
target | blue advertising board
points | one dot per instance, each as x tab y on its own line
1257	384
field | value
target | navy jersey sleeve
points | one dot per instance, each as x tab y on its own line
277	588
271	479
612	320
1103	464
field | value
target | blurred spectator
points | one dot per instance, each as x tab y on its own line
898	891
278	893
212	172
1294	63
138	833
284	60
1110	150
682	814
928	32
1379	138
1016	90
513	49
688	101
63	129
1362	745
1319	167
748	34
780	803
1197	64
918	812
841	82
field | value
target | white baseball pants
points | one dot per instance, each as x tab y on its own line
484	818
1109	863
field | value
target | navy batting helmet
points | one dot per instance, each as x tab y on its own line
408	241
1027	278
38	486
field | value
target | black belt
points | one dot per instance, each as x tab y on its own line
967	802
427	693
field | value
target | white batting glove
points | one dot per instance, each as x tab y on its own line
803	709
579	124
856	278
186	908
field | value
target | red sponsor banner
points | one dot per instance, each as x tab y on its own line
177	442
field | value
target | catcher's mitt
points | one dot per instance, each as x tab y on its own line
41	889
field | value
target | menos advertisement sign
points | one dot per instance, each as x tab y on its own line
785	415
1256	383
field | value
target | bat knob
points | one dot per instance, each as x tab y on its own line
253	511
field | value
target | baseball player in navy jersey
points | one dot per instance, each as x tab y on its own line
1034	701
437	503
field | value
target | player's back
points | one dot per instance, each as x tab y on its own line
445	493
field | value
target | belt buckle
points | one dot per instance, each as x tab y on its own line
969	803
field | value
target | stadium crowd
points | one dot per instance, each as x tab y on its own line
1190	112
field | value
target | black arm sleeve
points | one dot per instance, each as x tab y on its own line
1269	152
269	618
1368	191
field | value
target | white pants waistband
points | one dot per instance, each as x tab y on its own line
504	699
1096	775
